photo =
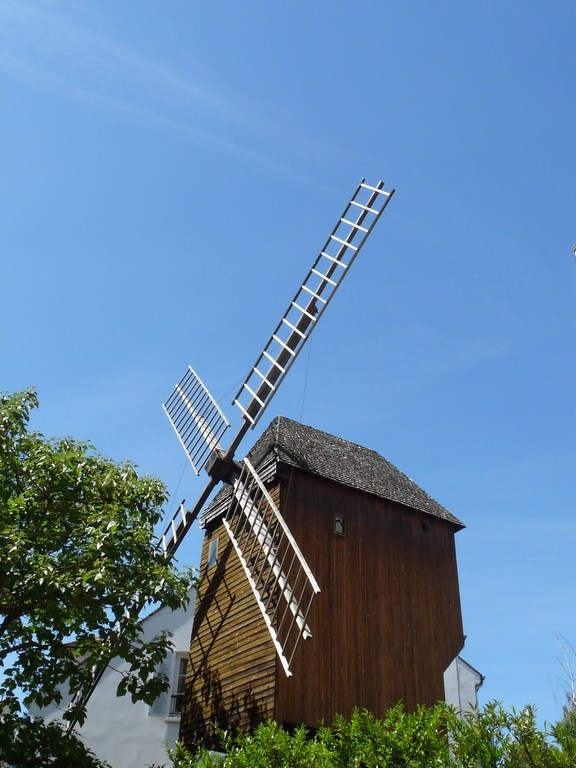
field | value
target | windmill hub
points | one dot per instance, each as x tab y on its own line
222	468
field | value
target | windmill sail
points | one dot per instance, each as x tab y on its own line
196	418
199	424
282	582
313	296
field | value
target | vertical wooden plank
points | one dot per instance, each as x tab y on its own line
387	622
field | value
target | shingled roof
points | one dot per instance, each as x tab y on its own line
291	443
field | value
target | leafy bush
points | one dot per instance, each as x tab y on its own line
435	737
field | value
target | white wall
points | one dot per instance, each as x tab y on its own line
128	735
461	684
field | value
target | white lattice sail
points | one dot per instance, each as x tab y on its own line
336	257
196	418
282	582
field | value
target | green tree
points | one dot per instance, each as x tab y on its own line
76	550
565	730
564	733
498	738
26	742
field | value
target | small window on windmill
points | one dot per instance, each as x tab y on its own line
339	527
213	552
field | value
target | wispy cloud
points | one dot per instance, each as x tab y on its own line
50	46
43	46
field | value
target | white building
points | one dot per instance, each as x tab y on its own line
136	735
461	685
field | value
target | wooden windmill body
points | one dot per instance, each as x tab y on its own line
386	623
328	579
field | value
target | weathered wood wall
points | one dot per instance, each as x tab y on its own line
387	622
232	664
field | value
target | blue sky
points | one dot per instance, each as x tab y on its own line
169	173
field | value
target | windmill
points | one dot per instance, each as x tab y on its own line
389	620
282	583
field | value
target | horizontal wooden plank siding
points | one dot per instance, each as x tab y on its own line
387	622
231	670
